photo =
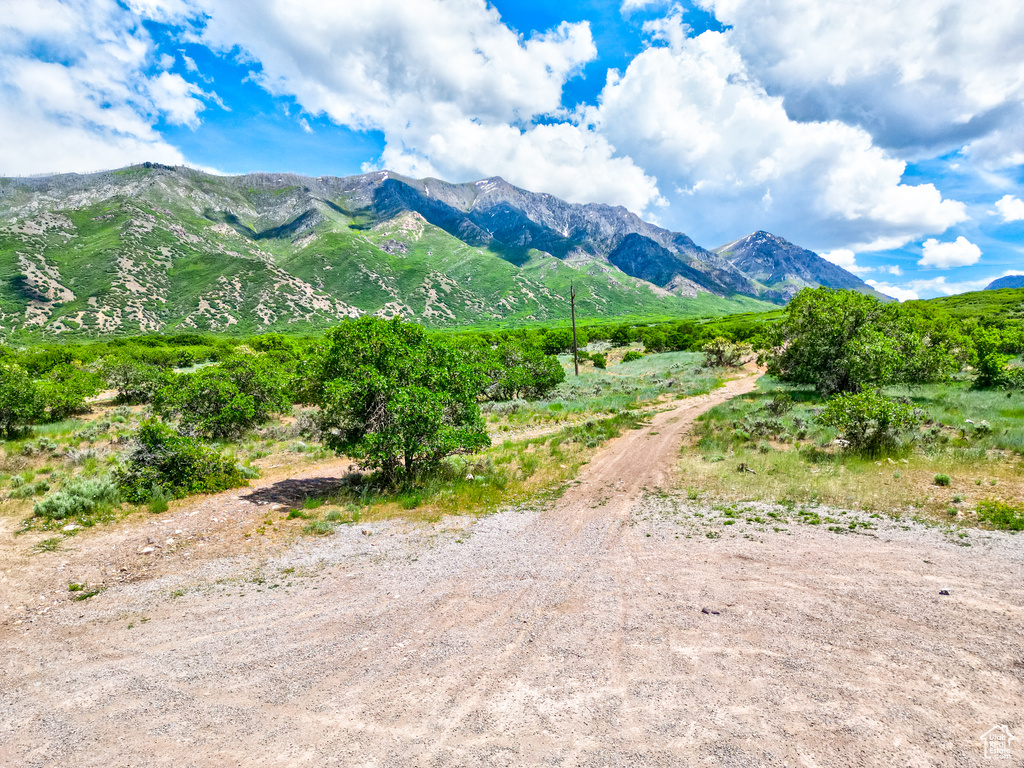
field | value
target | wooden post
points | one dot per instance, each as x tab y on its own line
572	303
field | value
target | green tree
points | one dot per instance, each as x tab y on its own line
518	368
20	401
843	341
66	388
654	340
989	364
226	400
162	461
623	335
396	399
135	382
558	341
722	353
868	422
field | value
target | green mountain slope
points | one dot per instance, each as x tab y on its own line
1003	305
152	249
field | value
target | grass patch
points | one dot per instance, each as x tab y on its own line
508	473
1000	514
962	435
605	392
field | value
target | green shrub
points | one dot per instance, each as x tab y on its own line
82	496
844	341
869	423
28	490
599	360
65	390
780	404
158	499
517	368
177	465
722	353
135	382
20	401
396	399
942	480
999	514
318	528
228	399
632	355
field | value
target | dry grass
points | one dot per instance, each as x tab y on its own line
875	486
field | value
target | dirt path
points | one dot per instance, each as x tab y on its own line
586	634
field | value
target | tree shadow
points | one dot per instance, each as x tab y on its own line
293	493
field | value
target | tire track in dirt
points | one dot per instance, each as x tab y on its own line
573	636
638	460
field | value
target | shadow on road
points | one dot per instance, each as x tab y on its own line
292	493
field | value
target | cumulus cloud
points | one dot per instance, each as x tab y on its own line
457	93
917	76
926	289
898	292
86	103
958	253
631	6
1010	208
847	259
690	108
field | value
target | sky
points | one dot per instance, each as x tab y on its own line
888	137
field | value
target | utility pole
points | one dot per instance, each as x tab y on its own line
572	303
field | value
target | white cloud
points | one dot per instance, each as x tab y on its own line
631	6
920	77
897	292
1010	208
691	110
87	104
958	253
892	269
453	88
176	98
561	159
847	259
926	289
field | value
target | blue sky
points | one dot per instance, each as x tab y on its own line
888	137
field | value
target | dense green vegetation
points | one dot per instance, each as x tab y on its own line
842	341
127	264
854	383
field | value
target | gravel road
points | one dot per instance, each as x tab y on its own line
606	629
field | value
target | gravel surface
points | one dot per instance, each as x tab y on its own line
608	629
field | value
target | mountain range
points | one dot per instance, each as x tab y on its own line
1010	281
154	248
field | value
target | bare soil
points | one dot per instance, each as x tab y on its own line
587	633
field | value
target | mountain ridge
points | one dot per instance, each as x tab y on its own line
787	268
1008	281
153	247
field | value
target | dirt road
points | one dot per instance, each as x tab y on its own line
591	633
